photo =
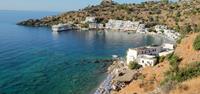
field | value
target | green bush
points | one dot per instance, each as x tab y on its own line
174	61
178	14
161	59
134	65
196	44
175	74
169	56
187	28
193	70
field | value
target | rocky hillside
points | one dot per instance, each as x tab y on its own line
182	16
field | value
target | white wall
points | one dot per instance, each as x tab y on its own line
131	55
146	61
168	46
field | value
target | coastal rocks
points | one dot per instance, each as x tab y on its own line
105	87
31	22
44	22
98	61
103	61
118	77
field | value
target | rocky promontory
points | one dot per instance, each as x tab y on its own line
46	21
176	15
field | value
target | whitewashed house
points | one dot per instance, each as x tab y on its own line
141	28
122	25
167	48
146	60
132	54
160	28
90	20
146	56
93	25
96	26
165	53
100	26
171	34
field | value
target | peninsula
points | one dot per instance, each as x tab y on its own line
165	69
180	16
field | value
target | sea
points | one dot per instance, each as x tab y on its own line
35	60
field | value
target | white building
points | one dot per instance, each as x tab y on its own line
165	53
171	34
133	54
95	26
146	56
141	28
90	20
146	60
160	28
122	25
100	26
168	46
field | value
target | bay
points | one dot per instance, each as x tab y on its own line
34	60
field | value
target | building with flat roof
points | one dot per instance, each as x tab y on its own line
146	60
133	54
122	25
146	56
90	20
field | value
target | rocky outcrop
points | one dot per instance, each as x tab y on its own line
46	21
31	22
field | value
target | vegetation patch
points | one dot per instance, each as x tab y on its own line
160	59
196	44
180	39
193	70
134	65
176	74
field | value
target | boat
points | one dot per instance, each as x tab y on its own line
61	27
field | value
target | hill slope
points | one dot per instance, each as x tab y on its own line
180	16
153	76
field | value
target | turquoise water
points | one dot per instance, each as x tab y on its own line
37	61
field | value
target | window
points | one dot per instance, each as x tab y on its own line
148	62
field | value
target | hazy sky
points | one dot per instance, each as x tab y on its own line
51	5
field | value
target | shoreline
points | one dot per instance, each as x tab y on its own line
114	80
113	71
106	85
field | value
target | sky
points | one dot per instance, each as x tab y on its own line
52	5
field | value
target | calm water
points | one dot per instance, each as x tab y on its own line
37	61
